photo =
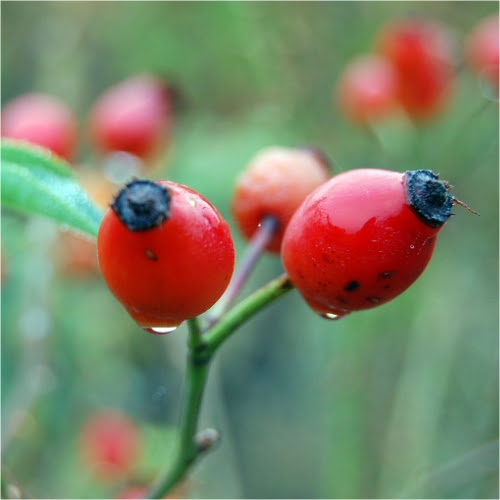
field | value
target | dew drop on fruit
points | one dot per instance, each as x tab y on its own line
160	330
332	316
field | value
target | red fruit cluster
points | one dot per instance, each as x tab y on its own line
109	444
411	68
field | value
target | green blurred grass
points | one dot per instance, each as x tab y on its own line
376	405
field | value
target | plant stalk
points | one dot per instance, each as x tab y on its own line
264	233
187	450
201	350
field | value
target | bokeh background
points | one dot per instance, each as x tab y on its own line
398	401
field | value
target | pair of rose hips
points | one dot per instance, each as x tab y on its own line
347	243
412	66
133	116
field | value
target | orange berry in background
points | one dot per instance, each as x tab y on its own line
275	183
76	255
43	120
98	187
481	49
421	51
366	89
109	444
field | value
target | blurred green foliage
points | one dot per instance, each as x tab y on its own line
397	401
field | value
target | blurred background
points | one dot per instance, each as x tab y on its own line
398	401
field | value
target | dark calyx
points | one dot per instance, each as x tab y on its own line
142	205
428	196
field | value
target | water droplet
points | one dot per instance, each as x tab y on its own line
332	316
160	330
192	201
412	246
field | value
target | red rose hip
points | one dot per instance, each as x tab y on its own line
366	89
275	183
165	253
364	237
481	49
43	120
132	116
422	55
109	444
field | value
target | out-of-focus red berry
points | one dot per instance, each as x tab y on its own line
481	49
274	183
110	444
131	493
137	491
422	54
43	120
133	116
366	90
75	255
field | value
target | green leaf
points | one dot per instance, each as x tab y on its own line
35	181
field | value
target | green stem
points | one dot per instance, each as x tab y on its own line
201	349
187	448
244	310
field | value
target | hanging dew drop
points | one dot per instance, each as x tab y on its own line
332	316
160	330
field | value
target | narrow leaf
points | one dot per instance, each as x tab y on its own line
35	181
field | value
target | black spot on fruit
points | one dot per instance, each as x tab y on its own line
351	286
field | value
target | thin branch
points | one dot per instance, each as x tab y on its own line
264	233
245	309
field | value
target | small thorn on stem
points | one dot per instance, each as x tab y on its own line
456	201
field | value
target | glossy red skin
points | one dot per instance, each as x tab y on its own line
275	182
366	89
481	49
42	120
133	116
356	229
421	52
172	272
110	444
